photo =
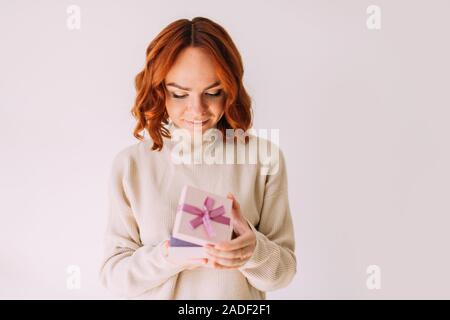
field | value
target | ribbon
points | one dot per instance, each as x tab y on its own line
206	215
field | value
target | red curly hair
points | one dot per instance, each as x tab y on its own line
149	108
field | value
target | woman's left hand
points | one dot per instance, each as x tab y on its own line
236	252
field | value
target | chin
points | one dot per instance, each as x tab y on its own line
203	126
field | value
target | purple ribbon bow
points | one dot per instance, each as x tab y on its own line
206	214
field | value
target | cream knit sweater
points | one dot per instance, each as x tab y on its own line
144	190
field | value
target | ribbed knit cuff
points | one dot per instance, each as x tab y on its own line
254	259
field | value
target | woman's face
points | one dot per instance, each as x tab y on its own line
194	97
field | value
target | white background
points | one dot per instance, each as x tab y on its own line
363	118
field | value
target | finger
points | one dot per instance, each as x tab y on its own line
240	253
218	265
237	243
199	261
235	205
236	216
194	263
166	248
228	262
191	268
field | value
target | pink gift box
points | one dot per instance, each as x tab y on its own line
180	250
203	217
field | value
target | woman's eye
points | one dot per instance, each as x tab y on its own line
176	96
215	94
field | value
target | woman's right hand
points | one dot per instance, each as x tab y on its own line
188	264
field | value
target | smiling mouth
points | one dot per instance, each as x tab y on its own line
198	123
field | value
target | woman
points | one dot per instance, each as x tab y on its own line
192	81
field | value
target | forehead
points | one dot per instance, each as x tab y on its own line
194	67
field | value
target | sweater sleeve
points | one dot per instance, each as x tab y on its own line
129	268
273	263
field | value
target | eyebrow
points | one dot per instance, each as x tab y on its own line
173	84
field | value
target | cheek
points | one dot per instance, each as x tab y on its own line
174	108
217	107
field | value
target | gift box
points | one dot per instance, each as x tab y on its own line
181	250
202	217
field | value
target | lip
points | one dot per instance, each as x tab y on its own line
192	123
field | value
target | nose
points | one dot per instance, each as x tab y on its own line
197	106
